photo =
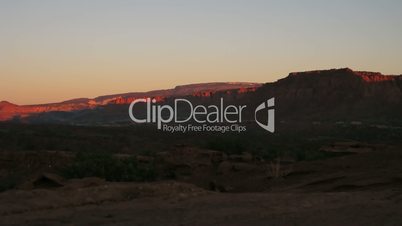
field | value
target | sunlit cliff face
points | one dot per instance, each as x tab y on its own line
375	76
9	110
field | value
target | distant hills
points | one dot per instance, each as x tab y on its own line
326	95
9	111
337	94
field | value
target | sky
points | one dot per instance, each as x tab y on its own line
54	50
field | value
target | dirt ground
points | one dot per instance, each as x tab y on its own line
116	204
359	189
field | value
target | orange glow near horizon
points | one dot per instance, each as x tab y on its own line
51	51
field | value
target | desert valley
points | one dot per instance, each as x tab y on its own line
334	158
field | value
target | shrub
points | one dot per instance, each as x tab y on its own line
105	165
228	145
275	169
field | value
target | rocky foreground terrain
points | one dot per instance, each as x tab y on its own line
363	187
